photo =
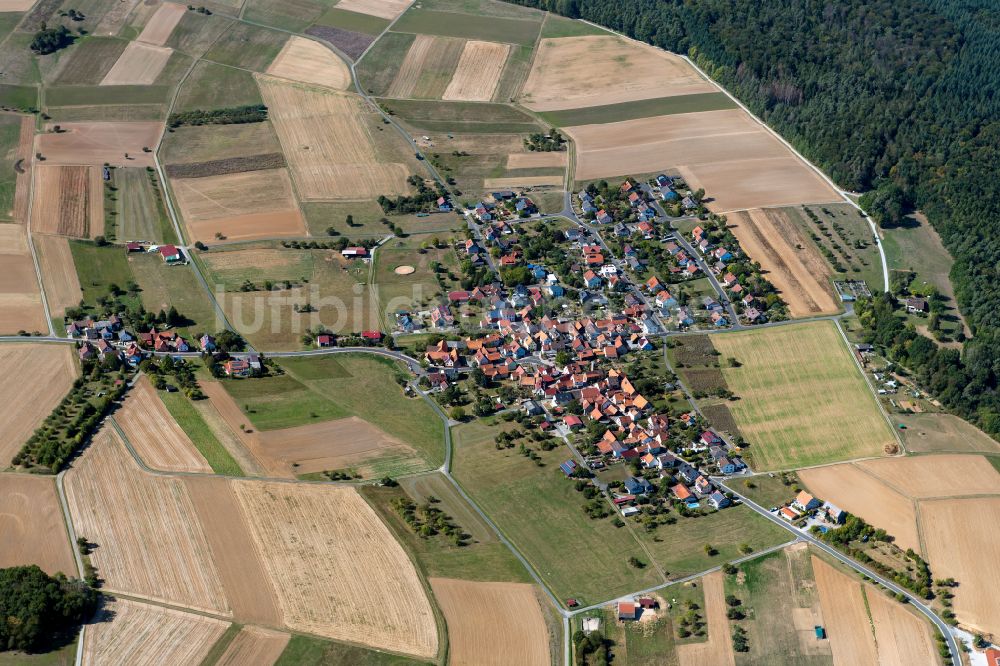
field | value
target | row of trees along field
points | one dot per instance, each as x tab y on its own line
894	97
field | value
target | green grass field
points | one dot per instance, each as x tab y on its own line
381	63
367	220
203	143
515	72
196	33
663	106
211	86
403	292
308	651
247	46
802	400
10	132
164	286
639	644
768	491
19	97
20	67
486	8
191	422
468	117
293	15
90	59
99	267
105	95
541	513
110	113
773	588
141	216
354	21
329	388
469	26
559	26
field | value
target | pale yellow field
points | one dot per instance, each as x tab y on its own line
22	180
492	623
847	626
139	64
26	401
254	645
16	5
62	285
738	162
150	542
903	638
20	296
307	61
802	399
31	522
478	72
522	181
336	568
144	635
718	649
577	72
923	477
99	142
166	18
793	263
858	492
155	435
538	159
962	544
387	9
413	64
327	143
61	200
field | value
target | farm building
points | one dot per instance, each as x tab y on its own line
170	254
627	610
354	253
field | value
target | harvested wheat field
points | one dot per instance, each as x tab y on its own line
903	637
61	200
20	296
939	432
925	477
150	543
856	491
492	623
249	438
387	9
32	526
62	285
792	261
413	63
138	65
327	143
554	158
130	632
155	435
739	163
95	202
22	181
16	5
522	181
250	592
307	61
254	645
26	401
99	142
478	72
427	67
334	444
337	569
803	400
962	544
240	206
577	72
718	650
163	22
847	624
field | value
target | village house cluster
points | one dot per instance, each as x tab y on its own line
501	206
108	337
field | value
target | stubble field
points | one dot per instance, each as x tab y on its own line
802	401
426	68
62	285
328	144
307	61
140	64
61	200
478	72
387	9
155	435
130	632
254	645
20	296
576	72
98	142
848	627
791	260
22	178
492	623
31	522
159	28
536	160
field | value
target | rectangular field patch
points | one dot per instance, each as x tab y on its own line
478	72
32	524
62	200
139	64
62	286
523	181
536	159
155	435
159	28
308	61
99	142
227	166
20	296
387	9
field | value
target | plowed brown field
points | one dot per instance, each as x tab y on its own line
478	72
307	61
155	435
61	200
150	543
327	143
792	261
577	72
143	635
719	647
26	400
20	296
492	623
163	22
62	285
32	526
254	645
336	568
99	142
138	65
